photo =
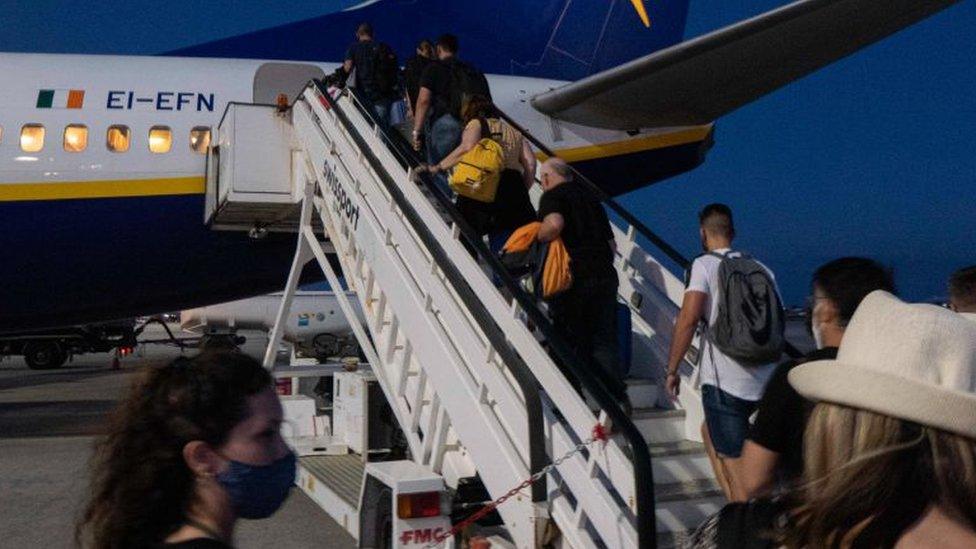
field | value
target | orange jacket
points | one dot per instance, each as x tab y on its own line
554	275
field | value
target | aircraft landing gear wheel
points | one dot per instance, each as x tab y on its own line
44	355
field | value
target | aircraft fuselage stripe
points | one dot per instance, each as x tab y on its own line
638	144
113	188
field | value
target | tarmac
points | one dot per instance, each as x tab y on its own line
48	423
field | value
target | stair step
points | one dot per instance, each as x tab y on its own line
642	392
660	426
672	540
702	488
682	468
676	448
684	515
651	412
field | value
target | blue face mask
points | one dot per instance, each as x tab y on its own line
257	491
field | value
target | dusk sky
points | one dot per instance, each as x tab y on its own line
874	155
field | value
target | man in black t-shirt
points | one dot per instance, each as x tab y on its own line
773	450
414	70
432	119
780	423
586	314
363	56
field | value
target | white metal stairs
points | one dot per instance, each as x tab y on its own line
447	354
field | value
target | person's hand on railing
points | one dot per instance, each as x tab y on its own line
417	172
427	168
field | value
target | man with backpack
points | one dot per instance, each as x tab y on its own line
445	88
736	299
585	314
414	69
377	72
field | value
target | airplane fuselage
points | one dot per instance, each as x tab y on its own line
102	163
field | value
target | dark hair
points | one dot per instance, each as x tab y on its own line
717	218
962	288
846	281
425	42
141	487
478	106
448	42
364	29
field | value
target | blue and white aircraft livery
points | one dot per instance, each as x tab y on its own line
102	157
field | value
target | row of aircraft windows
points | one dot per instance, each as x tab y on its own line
118	138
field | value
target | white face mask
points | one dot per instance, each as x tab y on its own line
817	334
815	328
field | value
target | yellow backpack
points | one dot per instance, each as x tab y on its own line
477	174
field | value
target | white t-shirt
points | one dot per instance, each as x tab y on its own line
717	369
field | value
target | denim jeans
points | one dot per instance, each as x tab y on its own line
381	111
398	112
442	136
727	417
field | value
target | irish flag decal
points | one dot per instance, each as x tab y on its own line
60	99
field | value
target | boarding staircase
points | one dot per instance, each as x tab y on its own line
464	364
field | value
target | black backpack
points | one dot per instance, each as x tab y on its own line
751	323
386	71
466	81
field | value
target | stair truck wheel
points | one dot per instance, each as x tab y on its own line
44	355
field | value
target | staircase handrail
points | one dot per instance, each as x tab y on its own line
646	526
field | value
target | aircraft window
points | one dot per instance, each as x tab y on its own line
117	138
200	139
75	138
32	138
160	139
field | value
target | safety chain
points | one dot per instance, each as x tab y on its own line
599	434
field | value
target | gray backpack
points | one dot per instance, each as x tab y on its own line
751	321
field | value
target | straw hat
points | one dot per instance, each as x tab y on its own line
913	362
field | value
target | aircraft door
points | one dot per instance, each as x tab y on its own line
288	78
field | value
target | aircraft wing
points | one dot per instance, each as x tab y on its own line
697	81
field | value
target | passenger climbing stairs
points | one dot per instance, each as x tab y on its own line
466	367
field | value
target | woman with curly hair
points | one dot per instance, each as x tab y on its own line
195	446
